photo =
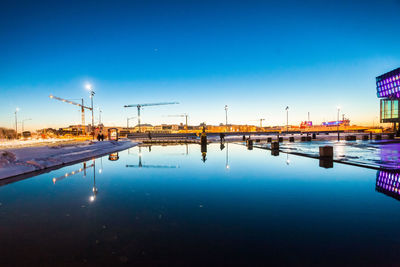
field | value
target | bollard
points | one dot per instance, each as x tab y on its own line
269	140
249	144
314	136
203	141
204	152
326	157
275	152
303	138
280	139
244	138
291	139
326	163
274	145
350	138
365	137
326	152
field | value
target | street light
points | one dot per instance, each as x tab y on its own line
287	119
16	123
23	123
261	120
99	115
337	123
90	88
226	117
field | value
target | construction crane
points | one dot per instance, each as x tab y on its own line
182	115
260	120
76	104
139	106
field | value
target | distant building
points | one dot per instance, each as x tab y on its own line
388	90
305	124
336	123
166	128
72	130
144	128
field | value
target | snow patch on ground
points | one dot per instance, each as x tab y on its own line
31	142
17	161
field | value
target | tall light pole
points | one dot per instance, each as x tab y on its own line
16	123
261	120
226	117
287	119
99	115
337	123
186	116
90	88
23	123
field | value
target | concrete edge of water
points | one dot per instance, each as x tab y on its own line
31	173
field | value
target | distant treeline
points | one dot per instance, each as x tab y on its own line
7	133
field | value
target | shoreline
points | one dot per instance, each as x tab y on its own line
22	163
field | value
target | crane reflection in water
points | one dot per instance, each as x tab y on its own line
84	170
141	165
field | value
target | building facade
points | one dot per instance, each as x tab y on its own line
388	90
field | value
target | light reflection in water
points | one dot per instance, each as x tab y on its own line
57	179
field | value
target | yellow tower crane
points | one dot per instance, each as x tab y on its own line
82	106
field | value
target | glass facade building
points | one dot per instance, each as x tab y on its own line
389	110
388	90
388	182
388	84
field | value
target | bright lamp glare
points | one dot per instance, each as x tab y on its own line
88	86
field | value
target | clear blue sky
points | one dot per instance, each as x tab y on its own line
255	56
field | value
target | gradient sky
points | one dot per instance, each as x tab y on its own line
255	56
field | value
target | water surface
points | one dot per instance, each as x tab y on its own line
165	205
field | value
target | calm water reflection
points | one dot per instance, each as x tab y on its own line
183	205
